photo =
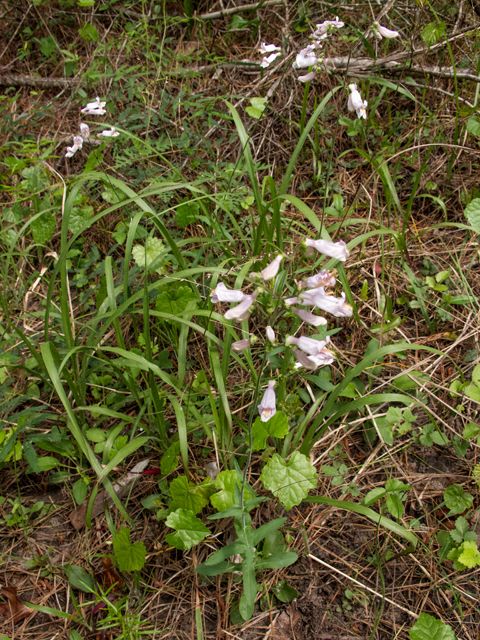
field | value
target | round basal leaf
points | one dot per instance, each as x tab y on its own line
289	481
174	299
473	126
284	592
43	228
277	427
144	257
79	491
130	557
429	628
189	530
186	495
225	498
456	500
472	213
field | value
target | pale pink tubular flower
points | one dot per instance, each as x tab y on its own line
382	32
77	144
323	279
303	360
311	346
355	102
84	130
268	48
267	407
336	250
270	334
323	28
309	318
109	133
338	307
95	108
272	269
267	61
241	345
242	311
306	58
289	301
222	294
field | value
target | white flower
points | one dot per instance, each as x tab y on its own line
268	48
336	250
309	318
267	407
323	28
311	346
84	130
323	279
313	362
266	62
241	345
270	334
222	294
241	311
109	133
338	307
271	270
382	32
77	144
95	108
306	58
71	151
308	77
355	102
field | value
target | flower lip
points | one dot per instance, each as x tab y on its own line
109	133
84	130
242	311
306	58
268	48
267	61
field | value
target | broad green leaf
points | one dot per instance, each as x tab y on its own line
405	382
373	495
473	392
189	530
276	427
130	556
396	485
471	431
472	214
79	491
43	228
433	32
174	299
46	463
395	505
456	500
89	32
289	481
186	213
80	218
47	46
95	435
473	126
169	461
225	498
188	496
79	578
277	560
429	628
145	256
284	592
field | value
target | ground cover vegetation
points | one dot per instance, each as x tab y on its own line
239	280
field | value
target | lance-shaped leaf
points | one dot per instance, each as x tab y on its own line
189	530
276	427
289	481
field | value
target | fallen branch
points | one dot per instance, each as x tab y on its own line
215	14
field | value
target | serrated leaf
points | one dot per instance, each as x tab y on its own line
289	481
456	500
186	213
433	32
472	214
189	530
145	256
43	228
225	498
470	555
429	628
276	427
169	460
130	556
95	435
174	300
188	496
473	126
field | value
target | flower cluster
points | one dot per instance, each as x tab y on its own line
309	352
274	52
95	108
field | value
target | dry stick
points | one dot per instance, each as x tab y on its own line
216	14
379	595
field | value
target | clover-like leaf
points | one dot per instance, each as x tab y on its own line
289	481
276	427
189	530
225	498
429	628
470	556
130	556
